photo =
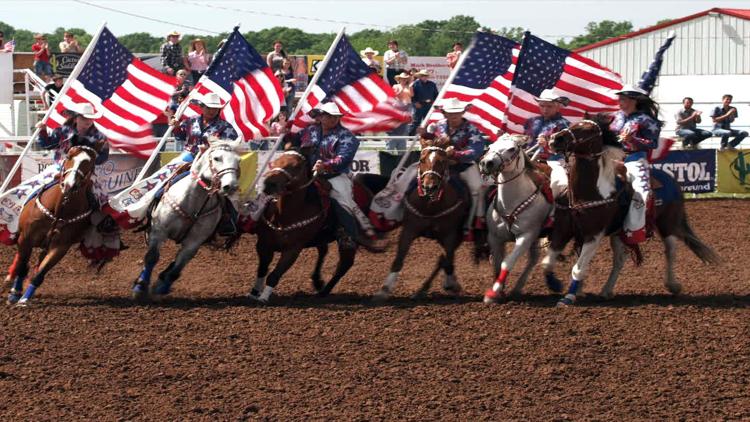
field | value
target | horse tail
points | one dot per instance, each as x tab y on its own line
700	249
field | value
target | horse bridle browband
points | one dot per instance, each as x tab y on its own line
421	175
64	172
213	187
289	176
575	140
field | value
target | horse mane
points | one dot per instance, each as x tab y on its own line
610	156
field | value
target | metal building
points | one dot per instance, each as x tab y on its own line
710	57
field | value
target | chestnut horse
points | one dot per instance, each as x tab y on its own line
436	210
595	209
55	220
296	218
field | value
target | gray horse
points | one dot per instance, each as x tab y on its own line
517	214
188	213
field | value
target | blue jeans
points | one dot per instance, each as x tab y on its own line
42	68
259	146
739	135
693	136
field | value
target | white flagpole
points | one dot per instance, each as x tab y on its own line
300	103
155	153
439	97
73	75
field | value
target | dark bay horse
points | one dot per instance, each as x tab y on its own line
55	220
436	210
297	218
595	208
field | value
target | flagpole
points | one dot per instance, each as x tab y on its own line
155	153
73	76
423	124
299	105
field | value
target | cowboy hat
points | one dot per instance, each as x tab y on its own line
369	50
454	105
423	72
211	100
331	109
85	110
549	95
632	91
173	34
402	75
38	36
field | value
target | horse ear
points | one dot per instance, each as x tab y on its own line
290	141
605	118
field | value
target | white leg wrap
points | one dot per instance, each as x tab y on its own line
266	293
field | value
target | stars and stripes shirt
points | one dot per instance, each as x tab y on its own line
336	149
194	132
538	125
644	131
467	140
65	137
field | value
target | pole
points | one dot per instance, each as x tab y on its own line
299	105
73	75
28	101
439	97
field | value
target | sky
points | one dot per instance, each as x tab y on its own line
550	19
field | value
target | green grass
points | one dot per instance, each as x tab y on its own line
717	195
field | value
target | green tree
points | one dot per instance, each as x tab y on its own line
597	31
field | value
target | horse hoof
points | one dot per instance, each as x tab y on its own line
492	296
675	288
318	284
606	295
13	297
257	299
381	296
566	301
453	290
162	288
421	294
553	283
140	291
24	303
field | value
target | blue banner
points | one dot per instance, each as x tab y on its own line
695	171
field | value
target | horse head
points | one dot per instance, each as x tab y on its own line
78	167
433	165
288	172
219	167
583	138
505	155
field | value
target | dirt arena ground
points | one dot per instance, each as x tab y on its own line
85	351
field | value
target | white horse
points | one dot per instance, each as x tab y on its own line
188	213
517	214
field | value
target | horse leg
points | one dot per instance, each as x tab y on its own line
19	270
54	255
581	269
450	284
317	281
422	292
12	271
347	252
404	242
532	261
557	242
670	252
287	259
172	272
497	292
265	257
618	260
141	284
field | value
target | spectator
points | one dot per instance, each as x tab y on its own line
41	57
181	89
276	58
425	92
285	88
368	56
69	44
6	47
687	120
395	61
51	90
452	56
404	93
279	125
289	84
171	55
198	59
723	117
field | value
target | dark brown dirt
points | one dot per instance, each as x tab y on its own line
84	351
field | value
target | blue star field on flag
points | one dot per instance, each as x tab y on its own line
107	67
540	65
344	68
490	56
236	59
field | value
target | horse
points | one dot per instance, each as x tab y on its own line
436	210
297	217
188	213
56	219
597	207
519	211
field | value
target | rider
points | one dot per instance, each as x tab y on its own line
540	128
466	147
638	127
334	147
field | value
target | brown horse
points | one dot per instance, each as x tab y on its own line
595	208
436	210
298	217
54	221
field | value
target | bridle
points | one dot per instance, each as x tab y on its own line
83	176
420	176
214	184
291	178
590	155
504	163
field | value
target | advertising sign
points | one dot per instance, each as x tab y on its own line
734	171
65	62
695	171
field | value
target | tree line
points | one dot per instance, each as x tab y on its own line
427	38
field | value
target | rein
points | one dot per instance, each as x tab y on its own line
421	175
290	178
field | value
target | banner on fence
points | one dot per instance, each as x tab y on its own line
734	171
65	62
364	162
437	66
695	171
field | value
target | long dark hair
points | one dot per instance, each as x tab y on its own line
648	106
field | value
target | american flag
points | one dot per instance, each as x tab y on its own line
366	100
241	78
589	86
129	93
484	80
9	46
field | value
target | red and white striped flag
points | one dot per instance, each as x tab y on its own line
129	93
590	86
241	78
484	80
367	101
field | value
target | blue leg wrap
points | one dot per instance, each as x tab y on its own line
146	274
29	292
18	283
573	289
553	283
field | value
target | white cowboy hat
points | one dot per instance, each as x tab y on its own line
330	108
85	110
632	91
211	100
454	105
550	95
402	75
173	34
369	50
